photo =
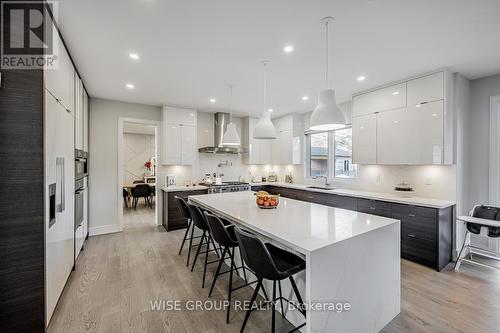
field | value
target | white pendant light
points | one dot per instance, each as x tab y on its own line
265	128
231	137
327	115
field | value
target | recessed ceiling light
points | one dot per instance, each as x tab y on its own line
288	48
130	86
361	78
305	98
396	93
396	121
270	110
418	105
134	56
212	100
434	115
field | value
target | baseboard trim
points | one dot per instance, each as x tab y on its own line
105	229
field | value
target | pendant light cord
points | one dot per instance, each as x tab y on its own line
231	103
326	60
265	85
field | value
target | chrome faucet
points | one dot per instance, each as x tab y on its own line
326	179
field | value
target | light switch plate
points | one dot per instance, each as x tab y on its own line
428	181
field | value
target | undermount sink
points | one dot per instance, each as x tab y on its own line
322	188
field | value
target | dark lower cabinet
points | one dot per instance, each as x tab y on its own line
426	233
375	207
172	217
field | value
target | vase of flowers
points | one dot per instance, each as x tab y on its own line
148	165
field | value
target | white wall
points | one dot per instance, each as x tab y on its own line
103	159
137	149
478	141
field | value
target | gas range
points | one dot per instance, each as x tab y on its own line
228	187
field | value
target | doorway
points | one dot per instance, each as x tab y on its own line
138	173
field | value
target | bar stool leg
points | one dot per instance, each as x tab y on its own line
190	244
249	311
230	287
185	236
198	250
281	300
273	304
209	238
296	291
217	271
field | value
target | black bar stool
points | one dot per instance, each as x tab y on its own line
206	238
223	234
271	263
183	207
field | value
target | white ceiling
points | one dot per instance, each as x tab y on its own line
191	50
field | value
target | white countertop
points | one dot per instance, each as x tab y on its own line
303	226
391	197
183	188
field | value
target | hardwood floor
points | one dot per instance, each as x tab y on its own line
119	274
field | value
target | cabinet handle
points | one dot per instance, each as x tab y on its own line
411	215
411	235
372	208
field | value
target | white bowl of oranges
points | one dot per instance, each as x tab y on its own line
265	200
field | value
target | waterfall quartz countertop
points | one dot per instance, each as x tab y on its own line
351	257
300	225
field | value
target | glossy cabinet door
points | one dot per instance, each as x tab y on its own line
364	139
388	98
188	144
59	212
182	116
426	133
259	151
426	89
172	142
79	113
60	81
85	121
393	136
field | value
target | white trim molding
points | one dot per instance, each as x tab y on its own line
158	197
494	163
104	229
494	167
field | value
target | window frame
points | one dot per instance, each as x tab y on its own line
331	158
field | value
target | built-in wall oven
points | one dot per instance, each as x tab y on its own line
80	164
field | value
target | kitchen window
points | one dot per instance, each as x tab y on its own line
330	154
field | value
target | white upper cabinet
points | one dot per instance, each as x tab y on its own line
388	98
79	107
426	89
425	137
182	116
364	139
179	136
60	81
85	121
188	145
393	132
287	148
417	134
259	151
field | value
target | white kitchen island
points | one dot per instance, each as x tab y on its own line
351	258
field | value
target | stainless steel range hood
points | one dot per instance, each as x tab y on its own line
220	123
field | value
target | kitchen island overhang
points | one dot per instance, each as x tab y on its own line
351	258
